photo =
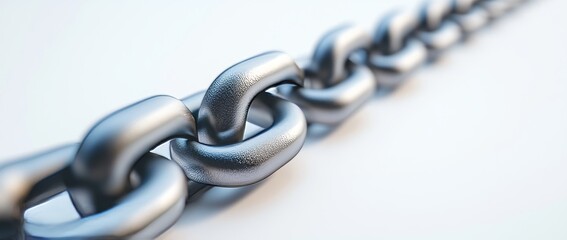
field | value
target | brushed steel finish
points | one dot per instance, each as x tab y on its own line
100	173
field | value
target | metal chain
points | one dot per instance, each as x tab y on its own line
122	190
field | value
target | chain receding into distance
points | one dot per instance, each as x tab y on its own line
122	190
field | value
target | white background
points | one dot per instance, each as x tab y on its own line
473	147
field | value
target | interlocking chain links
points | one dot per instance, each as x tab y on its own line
395	53
344	85
147	211
228	160
222	115
121	190
434	31
27	182
100	173
143	213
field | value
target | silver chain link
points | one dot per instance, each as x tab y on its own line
122	190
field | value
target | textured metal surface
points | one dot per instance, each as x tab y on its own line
99	174
222	115
123	191
252	159
395	55
344	88
148	210
224	109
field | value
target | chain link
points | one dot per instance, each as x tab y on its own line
343	85
99	176
145	212
434	31
122	190
395	53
